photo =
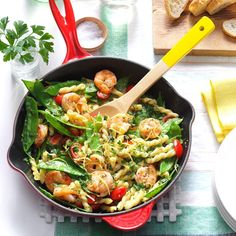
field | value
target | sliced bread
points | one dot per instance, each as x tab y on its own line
217	5
229	27
197	7
174	8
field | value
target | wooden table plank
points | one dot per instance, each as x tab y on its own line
167	32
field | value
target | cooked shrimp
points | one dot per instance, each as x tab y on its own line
66	193
54	177
95	162
150	128
91	164
119	123
101	183
146	175
42	133
76	118
105	81
74	102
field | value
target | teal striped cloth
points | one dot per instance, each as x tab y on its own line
195	219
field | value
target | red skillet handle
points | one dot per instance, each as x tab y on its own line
68	29
132	220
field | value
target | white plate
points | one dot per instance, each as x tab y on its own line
225	179
225	215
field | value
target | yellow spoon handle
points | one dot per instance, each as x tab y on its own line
198	32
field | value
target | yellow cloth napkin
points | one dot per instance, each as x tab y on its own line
220	102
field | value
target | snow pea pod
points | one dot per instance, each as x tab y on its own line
61	165
59	120
56	124
54	89
162	184
31	123
69	124
156	190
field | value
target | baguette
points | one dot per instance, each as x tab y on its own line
217	5
229	27
197	7
174	8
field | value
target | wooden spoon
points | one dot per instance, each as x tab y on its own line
121	105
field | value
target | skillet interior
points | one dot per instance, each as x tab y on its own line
87	68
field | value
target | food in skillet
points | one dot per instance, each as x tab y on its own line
99	163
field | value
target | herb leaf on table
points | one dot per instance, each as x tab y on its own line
23	42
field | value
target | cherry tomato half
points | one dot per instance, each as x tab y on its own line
178	147
167	117
118	193
91	199
94	114
67	179
79	204
128	141
95	207
76	132
129	87
74	150
55	139
58	99
102	96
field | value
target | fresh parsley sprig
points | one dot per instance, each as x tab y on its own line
23	41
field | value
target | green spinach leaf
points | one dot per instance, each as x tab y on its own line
91	134
134	132
54	89
45	99
29	85
172	128
91	92
167	164
98	123
122	84
146	112
94	142
37	89
61	165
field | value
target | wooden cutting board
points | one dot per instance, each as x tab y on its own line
167	32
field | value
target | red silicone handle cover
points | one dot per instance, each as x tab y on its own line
132	220
67	27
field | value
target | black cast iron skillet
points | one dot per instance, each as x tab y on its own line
87	67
